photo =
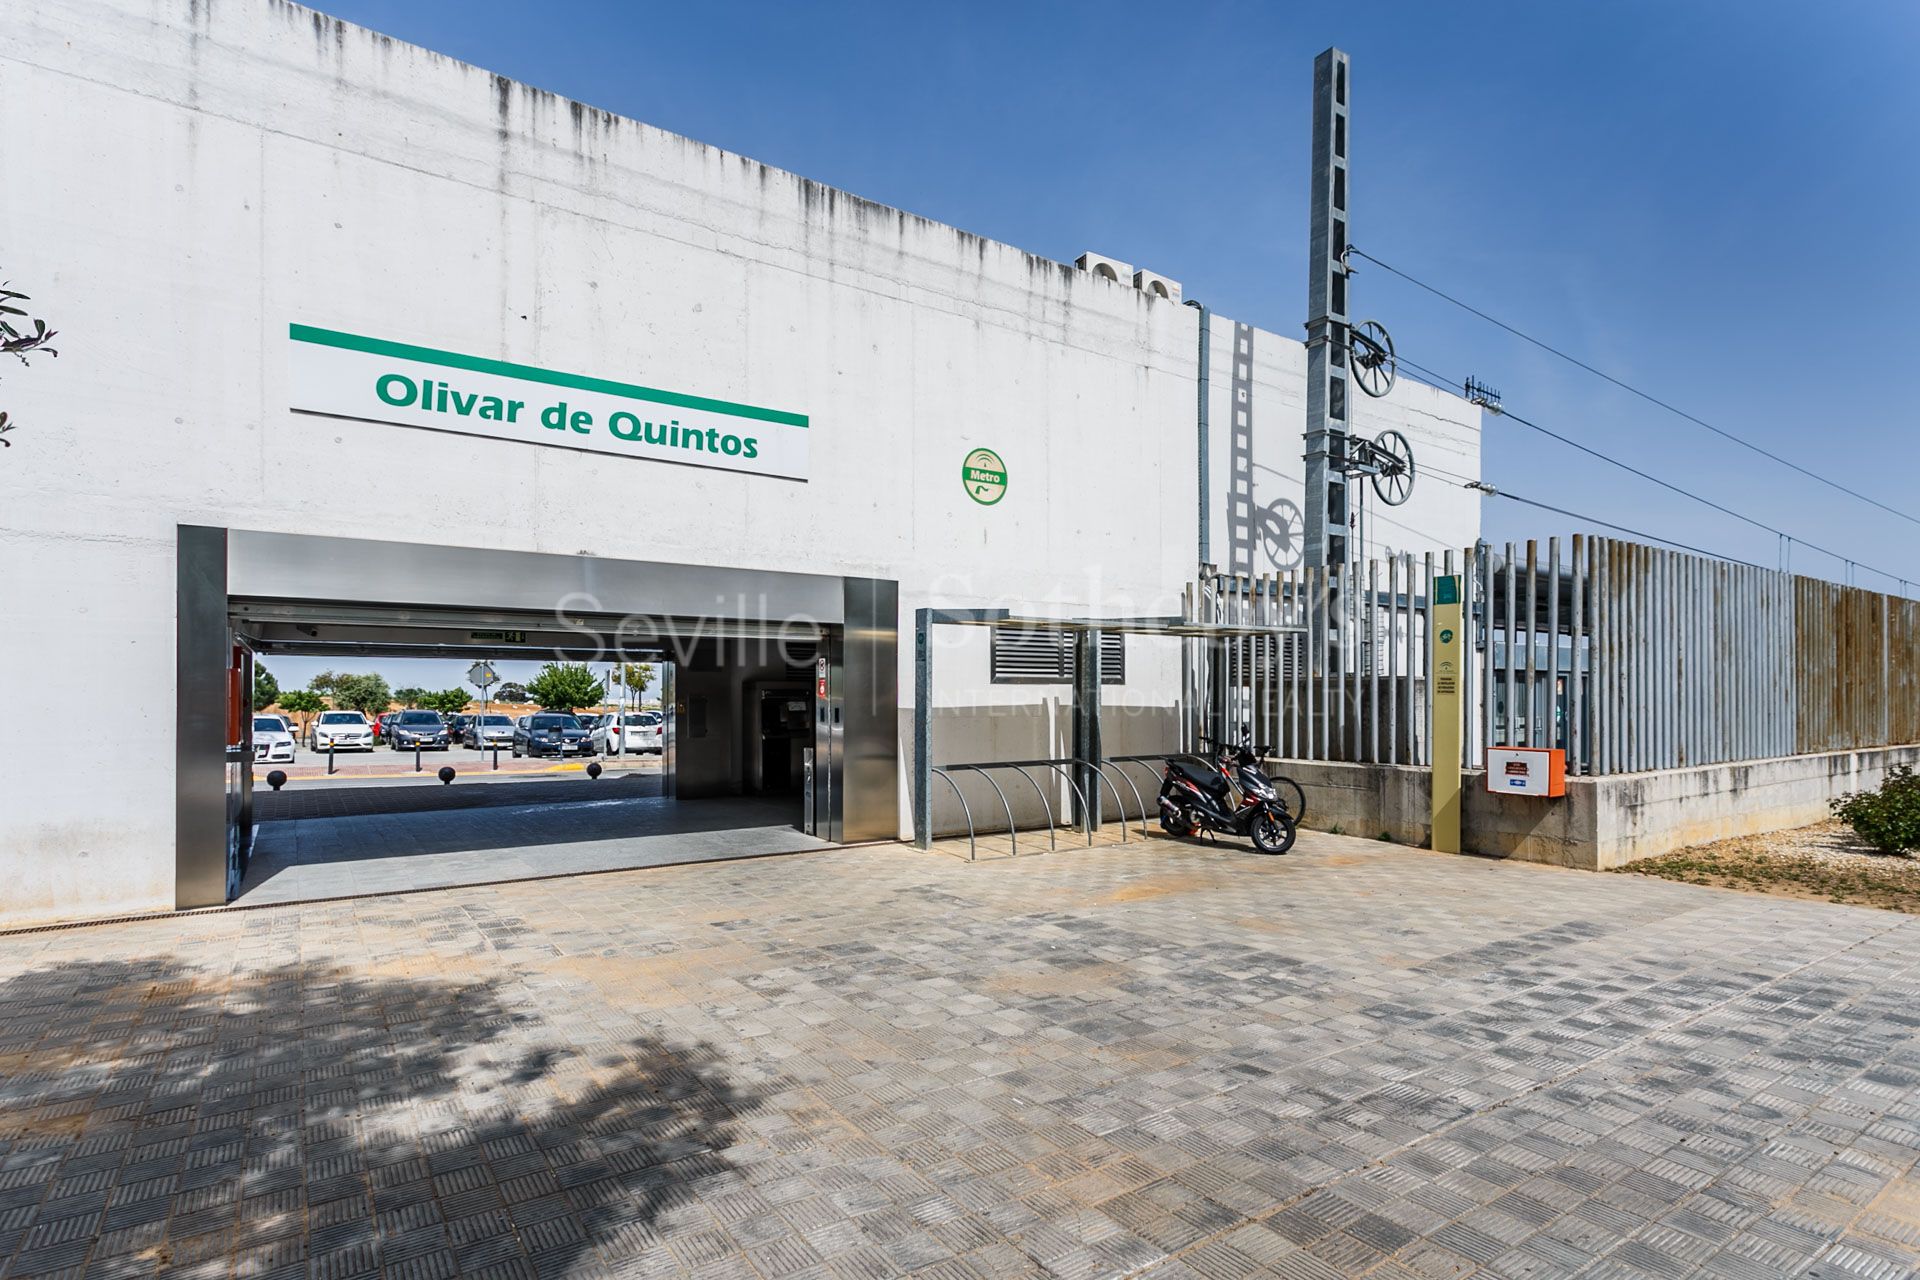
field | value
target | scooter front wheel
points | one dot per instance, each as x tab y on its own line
1272	833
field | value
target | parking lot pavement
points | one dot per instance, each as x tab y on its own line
429	794
1169	1060
352	768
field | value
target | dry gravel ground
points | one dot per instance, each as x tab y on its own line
1825	861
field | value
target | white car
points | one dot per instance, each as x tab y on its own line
272	741
642	732
341	730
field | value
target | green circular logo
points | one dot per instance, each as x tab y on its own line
984	476
1446	635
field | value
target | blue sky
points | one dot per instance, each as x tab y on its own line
1716	201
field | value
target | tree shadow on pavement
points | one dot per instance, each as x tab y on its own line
314	1121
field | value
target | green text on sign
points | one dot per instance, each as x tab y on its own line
349	375
985	477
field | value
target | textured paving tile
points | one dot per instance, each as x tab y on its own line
1154	1059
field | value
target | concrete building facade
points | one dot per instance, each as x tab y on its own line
235	213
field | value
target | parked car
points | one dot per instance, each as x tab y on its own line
457	726
641	732
424	729
341	730
485	731
381	725
550	733
272	740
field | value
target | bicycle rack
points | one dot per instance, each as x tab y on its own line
1059	766
1021	767
1099	771
942	773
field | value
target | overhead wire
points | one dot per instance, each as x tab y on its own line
1443	382
1650	398
1491	491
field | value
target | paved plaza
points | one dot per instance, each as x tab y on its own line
1156	1059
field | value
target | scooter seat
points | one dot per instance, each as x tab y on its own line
1209	780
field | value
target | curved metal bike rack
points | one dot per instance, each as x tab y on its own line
957	794
1120	763
1013	834
1118	803
1053	841
1021	767
1137	798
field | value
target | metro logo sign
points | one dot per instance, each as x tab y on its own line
347	375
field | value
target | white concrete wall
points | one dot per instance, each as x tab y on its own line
1602	822
1443	429
184	180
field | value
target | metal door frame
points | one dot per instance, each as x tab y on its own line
216	566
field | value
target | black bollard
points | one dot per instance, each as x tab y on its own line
446	773
496	755
593	770
329	756
277	779
416	757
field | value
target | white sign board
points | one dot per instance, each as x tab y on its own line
1526	771
345	375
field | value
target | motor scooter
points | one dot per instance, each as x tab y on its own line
1233	796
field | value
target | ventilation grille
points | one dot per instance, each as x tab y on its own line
1028	655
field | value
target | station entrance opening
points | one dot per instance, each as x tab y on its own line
778	692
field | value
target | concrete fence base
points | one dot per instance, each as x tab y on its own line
1601	822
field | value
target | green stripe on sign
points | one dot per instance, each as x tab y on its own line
530	373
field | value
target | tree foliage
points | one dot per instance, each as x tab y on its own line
510	691
448	702
366	693
302	703
410	697
636	676
566	686
266	690
19	338
1887	819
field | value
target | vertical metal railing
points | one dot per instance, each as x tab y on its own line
1629	657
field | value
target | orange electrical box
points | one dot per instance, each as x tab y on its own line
1527	771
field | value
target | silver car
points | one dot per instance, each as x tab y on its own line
488	731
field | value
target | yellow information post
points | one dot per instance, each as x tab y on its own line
1448	664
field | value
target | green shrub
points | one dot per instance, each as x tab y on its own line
1887	819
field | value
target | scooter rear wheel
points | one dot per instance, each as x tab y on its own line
1272	833
1175	823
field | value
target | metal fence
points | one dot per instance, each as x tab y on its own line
1349	684
1627	656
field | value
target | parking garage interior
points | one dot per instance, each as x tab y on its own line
779	733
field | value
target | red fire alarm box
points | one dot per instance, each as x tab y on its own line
1527	771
